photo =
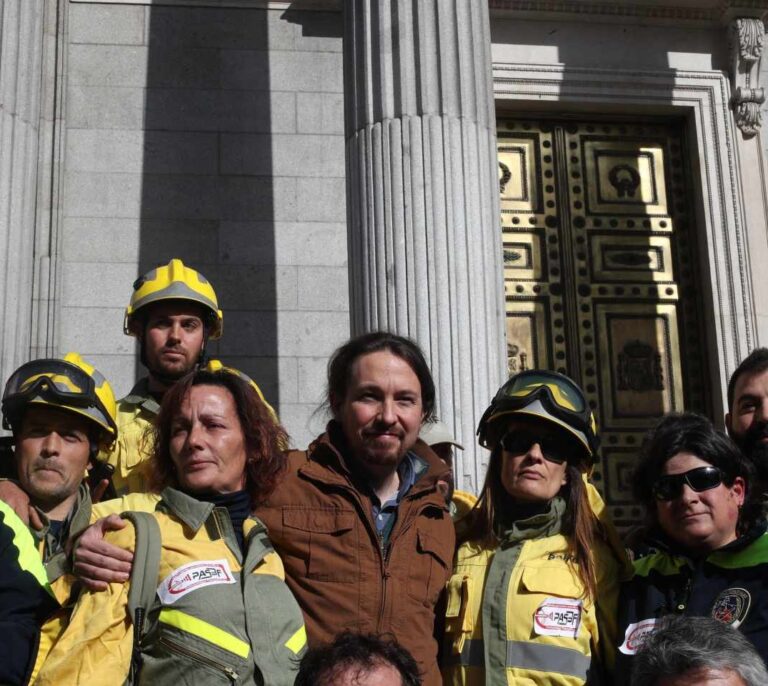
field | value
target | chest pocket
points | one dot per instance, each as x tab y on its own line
552	580
327	539
429	568
136	443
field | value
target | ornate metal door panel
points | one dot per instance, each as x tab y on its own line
600	276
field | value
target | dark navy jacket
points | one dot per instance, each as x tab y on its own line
730	584
24	601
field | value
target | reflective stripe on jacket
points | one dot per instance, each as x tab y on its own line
541	629
218	616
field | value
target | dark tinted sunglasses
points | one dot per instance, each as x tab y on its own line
553	448
699	479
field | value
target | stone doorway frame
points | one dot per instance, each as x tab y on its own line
701	98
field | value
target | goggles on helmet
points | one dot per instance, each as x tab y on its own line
544	395
58	383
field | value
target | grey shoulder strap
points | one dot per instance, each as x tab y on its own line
141	595
146	562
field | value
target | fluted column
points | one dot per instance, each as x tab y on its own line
422	204
21	50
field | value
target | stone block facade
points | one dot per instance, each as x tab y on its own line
215	135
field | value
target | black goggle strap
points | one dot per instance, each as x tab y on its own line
699	479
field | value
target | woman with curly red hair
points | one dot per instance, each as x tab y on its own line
218	607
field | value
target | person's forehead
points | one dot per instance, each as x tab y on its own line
57	417
755	383
210	397
175	308
382	367
684	461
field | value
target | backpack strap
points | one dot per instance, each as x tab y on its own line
141	595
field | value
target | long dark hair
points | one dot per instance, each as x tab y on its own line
264	438
340	366
580	526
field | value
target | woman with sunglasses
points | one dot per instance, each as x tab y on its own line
533	595
706	549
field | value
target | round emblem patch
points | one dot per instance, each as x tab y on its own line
731	606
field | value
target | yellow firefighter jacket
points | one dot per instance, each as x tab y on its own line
219	615
517	613
62	582
135	414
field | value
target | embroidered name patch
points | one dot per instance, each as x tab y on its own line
731	606
635	636
558	617
192	576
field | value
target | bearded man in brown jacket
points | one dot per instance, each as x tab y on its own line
365	535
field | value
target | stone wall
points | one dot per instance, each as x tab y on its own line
214	135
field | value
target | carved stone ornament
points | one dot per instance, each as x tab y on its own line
747	43
639	368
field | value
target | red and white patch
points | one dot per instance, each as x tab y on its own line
635	636
558	617
192	576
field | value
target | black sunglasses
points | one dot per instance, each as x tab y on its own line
553	448
700	479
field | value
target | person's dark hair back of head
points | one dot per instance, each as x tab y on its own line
681	644
321	666
754	363
340	365
691	433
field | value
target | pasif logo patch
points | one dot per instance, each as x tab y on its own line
558	617
635	636
194	575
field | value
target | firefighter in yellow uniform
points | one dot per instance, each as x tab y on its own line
532	599
206	602
61	412
173	313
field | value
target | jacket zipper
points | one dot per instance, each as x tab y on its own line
197	657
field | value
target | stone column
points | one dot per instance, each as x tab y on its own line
21	54
423	198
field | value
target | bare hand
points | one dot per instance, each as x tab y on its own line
18	500
98	563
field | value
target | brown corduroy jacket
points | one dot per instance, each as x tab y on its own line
320	521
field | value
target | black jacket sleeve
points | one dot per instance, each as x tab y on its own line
24	605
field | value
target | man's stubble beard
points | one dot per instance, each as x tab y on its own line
756	450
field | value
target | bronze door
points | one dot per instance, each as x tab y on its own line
600	276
